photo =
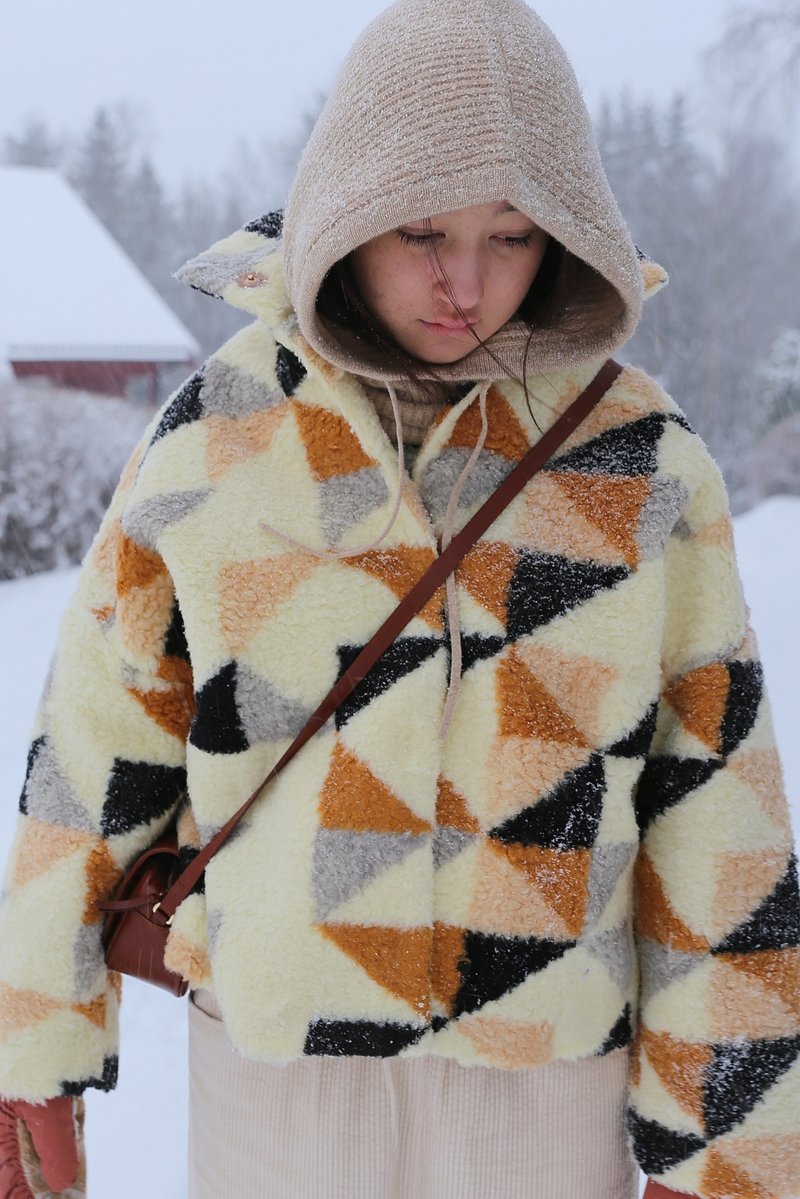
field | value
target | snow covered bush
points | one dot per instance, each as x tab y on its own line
61	453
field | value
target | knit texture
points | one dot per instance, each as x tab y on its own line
439	105
598	853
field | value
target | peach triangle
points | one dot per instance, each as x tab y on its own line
399	959
355	799
527	709
506	899
561	877
681	1066
771	1160
486	573
700	699
94	1011
559	528
44	846
21	1009
250	592
331	446
724	1180
777	970
512	1043
231	440
743	880
760	769
448	951
506	435
526	768
655	917
399	568
612	503
578	684
451	808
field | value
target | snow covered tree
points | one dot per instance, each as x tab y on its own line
34	146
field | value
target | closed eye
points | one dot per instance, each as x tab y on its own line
421	239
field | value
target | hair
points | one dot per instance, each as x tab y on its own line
548	303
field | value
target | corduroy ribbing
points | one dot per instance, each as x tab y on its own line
402	1128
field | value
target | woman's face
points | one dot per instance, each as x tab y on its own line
488	254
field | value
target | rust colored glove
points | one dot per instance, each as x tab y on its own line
655	1190
41	1149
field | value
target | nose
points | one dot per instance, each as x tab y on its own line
460	278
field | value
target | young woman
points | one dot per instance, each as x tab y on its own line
525	913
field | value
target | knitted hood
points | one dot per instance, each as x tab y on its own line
439	105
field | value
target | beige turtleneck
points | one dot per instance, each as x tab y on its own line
418	410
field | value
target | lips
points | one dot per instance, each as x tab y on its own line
449	327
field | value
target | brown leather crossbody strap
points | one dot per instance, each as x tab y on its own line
411	603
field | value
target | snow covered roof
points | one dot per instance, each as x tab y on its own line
69	292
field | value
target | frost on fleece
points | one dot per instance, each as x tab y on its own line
597	854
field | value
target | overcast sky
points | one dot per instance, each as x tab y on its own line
208	74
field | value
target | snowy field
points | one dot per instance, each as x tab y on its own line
137	1136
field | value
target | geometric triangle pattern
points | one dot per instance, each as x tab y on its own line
596	855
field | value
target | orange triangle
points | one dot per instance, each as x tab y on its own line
172	708
250	592
681	1066
331	446
510	1043
655	917
42	846
451	808
135	565
527	709
507	901
612	503
777	970
21	1009
448	951
700	699
399	959
95	1011
399	569
560	876
559	528
102	876
486	573
506	435
723	1180
231	440
355	799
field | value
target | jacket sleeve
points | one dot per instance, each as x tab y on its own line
106	769
715	1096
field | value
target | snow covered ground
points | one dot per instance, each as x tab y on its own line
137	1136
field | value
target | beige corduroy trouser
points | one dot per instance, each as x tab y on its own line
401	1128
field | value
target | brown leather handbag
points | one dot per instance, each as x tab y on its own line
137	918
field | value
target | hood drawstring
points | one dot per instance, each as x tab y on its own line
450	584
447	536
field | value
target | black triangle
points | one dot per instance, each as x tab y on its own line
175	637
138	793
269	225
402	656
636	743
545	586
185	408
620	1035
216	727
359	1038
775	924
289	369
658	1148
494	965
34	750
738	1077
567	818
106	1081
629	449
475	647
744	697
666	780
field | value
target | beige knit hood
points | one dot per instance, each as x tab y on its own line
442	104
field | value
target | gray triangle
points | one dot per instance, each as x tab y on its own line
660	966
212	273
48	795
232	392
89	961
448	842
660	513
145	522
266	714
615	950
439	477
347	499
608	863
345	861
